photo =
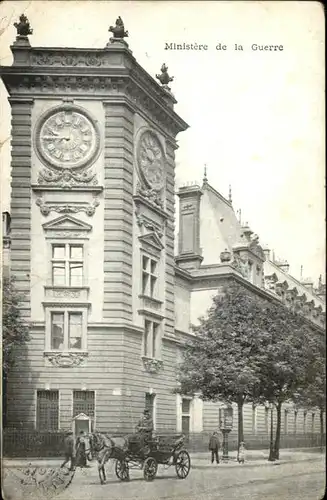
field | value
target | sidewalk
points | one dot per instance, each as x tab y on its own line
255	458
199	460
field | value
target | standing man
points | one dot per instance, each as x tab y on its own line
144	428
214	447
69	444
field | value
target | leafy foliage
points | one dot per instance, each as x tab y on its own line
224	358
313	392
249	349
15	331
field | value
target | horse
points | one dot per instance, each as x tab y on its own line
105	447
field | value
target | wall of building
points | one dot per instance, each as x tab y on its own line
201	301
182	307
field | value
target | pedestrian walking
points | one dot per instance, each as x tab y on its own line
69	446
241	453
81	450
214	447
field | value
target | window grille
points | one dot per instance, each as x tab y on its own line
47	411
84	402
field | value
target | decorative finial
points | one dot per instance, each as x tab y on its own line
240	216
230	194
23	27
164	78
301	271
205	178
118	31
320	281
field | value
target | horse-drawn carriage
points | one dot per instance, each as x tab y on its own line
130	453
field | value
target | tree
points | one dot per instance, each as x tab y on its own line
248	349
313	392
289	351
15	331
223	359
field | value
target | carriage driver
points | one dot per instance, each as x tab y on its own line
144	427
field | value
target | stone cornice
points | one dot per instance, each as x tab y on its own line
100	73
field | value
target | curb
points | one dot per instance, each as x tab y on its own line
253	464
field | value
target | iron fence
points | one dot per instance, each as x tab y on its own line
36	444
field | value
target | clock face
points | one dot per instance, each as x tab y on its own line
151	160
67	139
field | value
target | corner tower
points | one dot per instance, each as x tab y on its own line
92	210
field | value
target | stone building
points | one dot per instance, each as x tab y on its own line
92	244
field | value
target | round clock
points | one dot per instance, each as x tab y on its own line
151	160
67	138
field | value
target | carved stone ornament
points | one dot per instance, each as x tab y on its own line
66	360
45	58
66	179
118	30
71	294
141	94
241	265
225	256
149	194
150	159
270	282
257	249
67	208
152	365
66	138
143	221
23	27
188	207
164	78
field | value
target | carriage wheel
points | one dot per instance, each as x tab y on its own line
122	470
182	464
150	468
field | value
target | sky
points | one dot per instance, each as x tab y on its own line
256	117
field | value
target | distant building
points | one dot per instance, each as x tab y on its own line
92	247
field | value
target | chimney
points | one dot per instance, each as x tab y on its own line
189	251
266	251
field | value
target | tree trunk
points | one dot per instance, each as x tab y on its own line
271	445
240	429
4	398
278	428
321	430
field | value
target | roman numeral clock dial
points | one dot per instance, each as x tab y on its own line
67	138
151	160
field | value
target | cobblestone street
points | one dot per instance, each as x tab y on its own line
301	479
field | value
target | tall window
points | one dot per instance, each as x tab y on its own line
83	402
304	422
67	265
66	330
149	276
295	421
151	339
186	415
47	410
312	422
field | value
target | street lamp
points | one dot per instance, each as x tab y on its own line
225	425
